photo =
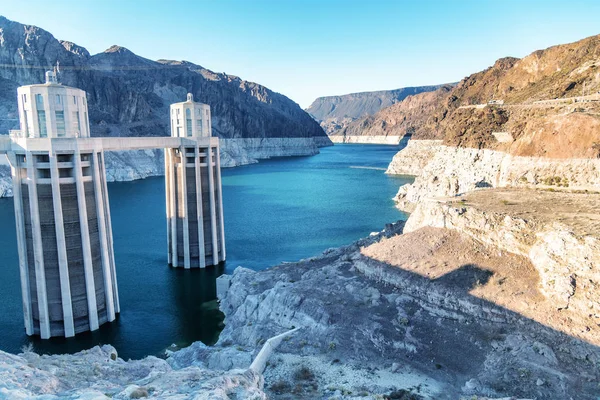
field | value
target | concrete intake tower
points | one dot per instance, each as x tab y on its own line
65	244
196	236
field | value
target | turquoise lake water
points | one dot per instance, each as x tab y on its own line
277	210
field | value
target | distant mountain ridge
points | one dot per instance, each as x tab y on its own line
356	105
336	112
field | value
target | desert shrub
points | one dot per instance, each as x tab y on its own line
402	395
556	181
304	374
281	387
139	393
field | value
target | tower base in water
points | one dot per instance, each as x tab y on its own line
66	258
194	205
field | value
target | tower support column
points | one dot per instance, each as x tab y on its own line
169	205
109	235
103	237
184	207
220	193
61	248
213	211
85	245
16	170
200	213
172	206
38	250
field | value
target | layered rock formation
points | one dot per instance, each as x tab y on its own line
334	113
443	171
249	150
129	95
557	231
413	157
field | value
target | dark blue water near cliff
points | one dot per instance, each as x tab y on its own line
278	210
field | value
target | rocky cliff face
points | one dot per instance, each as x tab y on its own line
414	157
129	95
552	128
334	113
445	171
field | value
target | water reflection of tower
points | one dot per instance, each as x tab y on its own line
195	293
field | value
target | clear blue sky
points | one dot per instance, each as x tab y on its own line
310	48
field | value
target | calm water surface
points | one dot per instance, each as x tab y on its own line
278	210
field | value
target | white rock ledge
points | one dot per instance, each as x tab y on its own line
140	164
443	171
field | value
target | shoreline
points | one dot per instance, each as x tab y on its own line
126	166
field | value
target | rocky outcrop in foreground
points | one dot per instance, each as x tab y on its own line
433	312
557	231
98	373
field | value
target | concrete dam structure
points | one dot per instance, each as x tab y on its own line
64	234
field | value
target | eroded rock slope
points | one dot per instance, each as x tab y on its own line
536	101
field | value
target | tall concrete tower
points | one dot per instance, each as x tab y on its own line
66	258
196	235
